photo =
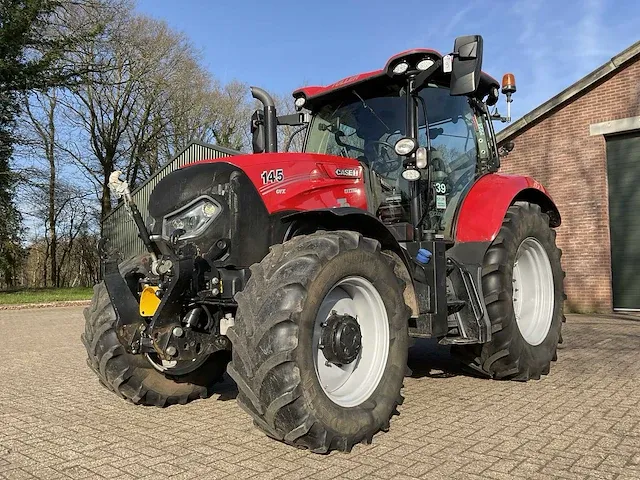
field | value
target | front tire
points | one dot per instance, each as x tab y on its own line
522	282
134	377
276	361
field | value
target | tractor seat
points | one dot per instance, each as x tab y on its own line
377	188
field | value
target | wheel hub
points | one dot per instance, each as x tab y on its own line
352	317
341	339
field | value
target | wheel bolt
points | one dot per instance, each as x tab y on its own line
171	350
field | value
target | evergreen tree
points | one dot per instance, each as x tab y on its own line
34	40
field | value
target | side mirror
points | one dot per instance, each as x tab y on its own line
506	148
257	131
466	66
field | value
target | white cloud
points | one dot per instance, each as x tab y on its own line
449	28
591	34
558	42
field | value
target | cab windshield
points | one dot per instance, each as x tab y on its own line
367	128
362	128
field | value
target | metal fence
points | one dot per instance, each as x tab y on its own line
119	227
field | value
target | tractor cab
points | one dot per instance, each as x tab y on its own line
452	130
420	128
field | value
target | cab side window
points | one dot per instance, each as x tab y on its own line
452	137
451	131
323	138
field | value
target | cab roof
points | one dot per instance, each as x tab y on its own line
316	92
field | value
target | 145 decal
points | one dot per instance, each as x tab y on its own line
272	176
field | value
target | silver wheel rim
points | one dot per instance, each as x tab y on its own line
533	291
352	384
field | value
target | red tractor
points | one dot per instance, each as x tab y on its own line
312	270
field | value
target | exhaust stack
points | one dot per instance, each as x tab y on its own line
270	120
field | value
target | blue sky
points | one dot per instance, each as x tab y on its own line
283	44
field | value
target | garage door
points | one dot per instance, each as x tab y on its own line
623	165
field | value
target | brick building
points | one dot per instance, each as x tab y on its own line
584	146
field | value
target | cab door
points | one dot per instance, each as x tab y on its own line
456	136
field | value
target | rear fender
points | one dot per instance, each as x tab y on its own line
483	209
358	220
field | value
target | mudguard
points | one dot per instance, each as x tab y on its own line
348	218
483	209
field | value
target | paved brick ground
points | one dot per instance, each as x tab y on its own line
582	421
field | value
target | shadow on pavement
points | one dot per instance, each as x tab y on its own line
429	359
225	390
426	359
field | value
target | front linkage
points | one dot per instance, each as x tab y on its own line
180	278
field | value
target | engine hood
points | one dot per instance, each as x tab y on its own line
300	181
256	192
280	158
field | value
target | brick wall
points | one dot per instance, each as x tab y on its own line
558	152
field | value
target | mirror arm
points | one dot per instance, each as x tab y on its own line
421	79
496	116
294	119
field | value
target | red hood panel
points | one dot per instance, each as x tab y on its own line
277	159
302	181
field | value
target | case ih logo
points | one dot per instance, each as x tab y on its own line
348	172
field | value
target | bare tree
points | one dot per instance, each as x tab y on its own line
149	98
231	115
41	112
290	138
118	108
139	95
194	98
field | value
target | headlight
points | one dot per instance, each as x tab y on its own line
421	157
400	68
193	218
411	174
424	64
405	146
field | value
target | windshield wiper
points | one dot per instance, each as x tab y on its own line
364	104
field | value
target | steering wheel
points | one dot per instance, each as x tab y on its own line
384	162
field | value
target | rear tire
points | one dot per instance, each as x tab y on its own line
132	376
524	341
275	333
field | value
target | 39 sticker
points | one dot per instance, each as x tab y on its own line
440	187
272	176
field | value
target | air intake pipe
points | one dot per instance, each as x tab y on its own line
270	120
